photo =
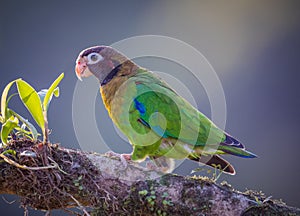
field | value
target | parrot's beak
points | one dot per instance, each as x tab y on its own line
80	68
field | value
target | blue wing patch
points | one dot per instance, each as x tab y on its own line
139	106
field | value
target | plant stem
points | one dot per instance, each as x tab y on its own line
45	132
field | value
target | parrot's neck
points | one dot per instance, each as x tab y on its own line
111	75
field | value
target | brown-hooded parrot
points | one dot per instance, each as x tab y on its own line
158	122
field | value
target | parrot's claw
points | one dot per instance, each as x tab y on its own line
123	157
151	166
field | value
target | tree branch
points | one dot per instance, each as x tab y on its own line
101	185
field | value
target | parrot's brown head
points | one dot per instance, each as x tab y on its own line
103	62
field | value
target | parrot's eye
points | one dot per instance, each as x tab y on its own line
93	58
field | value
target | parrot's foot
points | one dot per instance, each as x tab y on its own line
152	166
123	157
161	164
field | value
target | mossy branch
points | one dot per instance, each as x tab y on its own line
99	185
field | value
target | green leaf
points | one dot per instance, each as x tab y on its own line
42	94
7	127
4	100
1	119
8	114
10	152
56	92
52	90
143	192
31	100
22	131
30	126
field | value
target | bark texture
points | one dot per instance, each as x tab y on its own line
48	177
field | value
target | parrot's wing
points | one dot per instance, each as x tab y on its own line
169	115
147	110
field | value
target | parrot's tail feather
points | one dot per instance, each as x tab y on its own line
216	162
237	151
231	141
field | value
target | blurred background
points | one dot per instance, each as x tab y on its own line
253	46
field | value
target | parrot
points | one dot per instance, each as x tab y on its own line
159	123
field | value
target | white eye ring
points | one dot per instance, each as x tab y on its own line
94	58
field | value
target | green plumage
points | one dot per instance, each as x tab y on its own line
158	122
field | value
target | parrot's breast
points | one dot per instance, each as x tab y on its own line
111	95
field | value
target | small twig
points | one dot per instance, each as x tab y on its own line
25	211
267	199
58	166
79	205
48	213
11	162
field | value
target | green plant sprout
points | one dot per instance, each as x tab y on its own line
218	171
37	103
